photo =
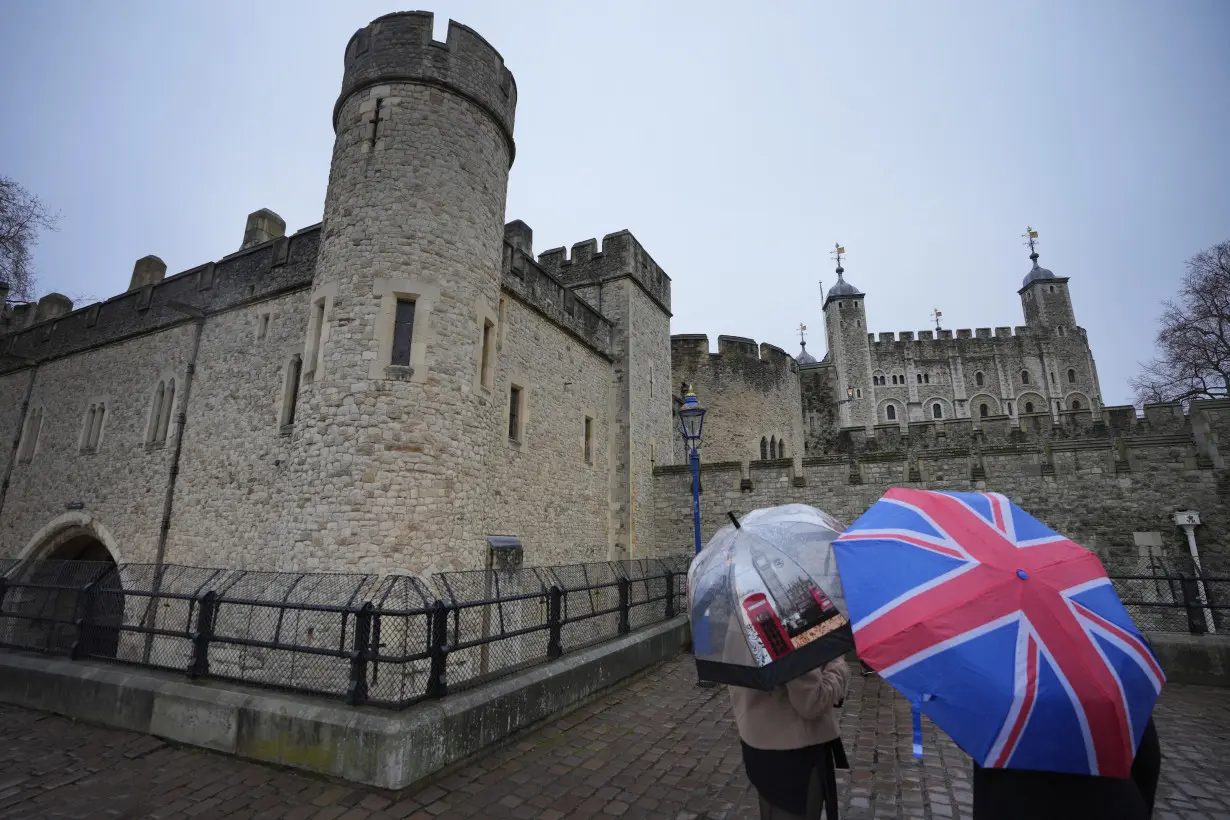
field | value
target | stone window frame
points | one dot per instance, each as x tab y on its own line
764	448
486	347
899	412
1071	375
320	310
980	379
161	418
979	399
264	322
1032	397
946	411
31	432
425	296
93	425
1024	375
292	386
517	438
1086	404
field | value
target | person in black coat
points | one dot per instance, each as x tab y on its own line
1018	794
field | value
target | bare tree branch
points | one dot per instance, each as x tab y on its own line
22	217
1193	341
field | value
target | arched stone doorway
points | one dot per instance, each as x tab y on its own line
71	596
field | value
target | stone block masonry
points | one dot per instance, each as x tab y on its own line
1098	489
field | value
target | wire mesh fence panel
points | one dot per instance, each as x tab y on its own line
590	608
497	623
156	614
43	601
288	630
679	564
647	590
401	641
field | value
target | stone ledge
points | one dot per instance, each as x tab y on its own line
1198	659
389	750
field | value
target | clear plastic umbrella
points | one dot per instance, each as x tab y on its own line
765	600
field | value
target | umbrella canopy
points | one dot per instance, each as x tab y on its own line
765	600
1007	635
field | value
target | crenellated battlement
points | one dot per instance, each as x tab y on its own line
694	347
620	255
255	273
528	280
398	48
1201	435
888	341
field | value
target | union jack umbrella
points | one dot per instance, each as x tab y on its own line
1007	635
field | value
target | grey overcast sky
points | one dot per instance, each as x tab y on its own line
737	141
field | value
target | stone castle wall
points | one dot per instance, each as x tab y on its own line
1099	482
750	393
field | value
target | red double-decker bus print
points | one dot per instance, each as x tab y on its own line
767	625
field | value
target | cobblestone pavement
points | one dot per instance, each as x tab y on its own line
659	747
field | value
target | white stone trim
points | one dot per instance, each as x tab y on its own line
425	296
44	540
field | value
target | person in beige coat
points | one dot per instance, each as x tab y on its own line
791	738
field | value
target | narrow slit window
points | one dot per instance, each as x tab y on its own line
262	329
318	327
290	391
764	448
979	379
589	441
773	447
155	415
488	355
1029	407
1071	376
168	407
514	413
403	331
1024	377
34	426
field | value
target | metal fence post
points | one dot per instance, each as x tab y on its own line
199	667
437	682
356	693
670	595
625	603
1191	605
85	624
555	605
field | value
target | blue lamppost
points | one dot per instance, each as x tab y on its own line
691	421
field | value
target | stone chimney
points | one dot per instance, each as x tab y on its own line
262	226
53	306
149	270
520	236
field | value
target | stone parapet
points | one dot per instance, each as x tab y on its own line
620	255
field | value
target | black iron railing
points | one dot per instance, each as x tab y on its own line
388	642
1173	596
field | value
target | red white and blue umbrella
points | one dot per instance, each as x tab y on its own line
1007	635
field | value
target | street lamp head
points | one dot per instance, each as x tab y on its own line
691	419
849	392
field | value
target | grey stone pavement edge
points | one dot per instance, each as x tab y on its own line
658	747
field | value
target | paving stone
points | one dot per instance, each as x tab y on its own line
659	748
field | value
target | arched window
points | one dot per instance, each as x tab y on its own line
1050	288
937	411
1010	408
781	448
1076	405
773	447
926	378
1024	377
1029	407
919	375
764	448
984	411
980	379
891	413
168	406
1071	376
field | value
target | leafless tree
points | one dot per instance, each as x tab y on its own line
1193	358
22	216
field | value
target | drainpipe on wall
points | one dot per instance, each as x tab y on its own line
181	419
1189	520
21	427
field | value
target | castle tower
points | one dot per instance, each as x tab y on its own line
845	330
386	471
1044	296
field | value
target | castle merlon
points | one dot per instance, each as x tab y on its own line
251	275
398	48
982	334
620	255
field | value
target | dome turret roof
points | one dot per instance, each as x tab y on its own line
804	357
1037	273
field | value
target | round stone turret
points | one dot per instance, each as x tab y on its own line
398	48
397	413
